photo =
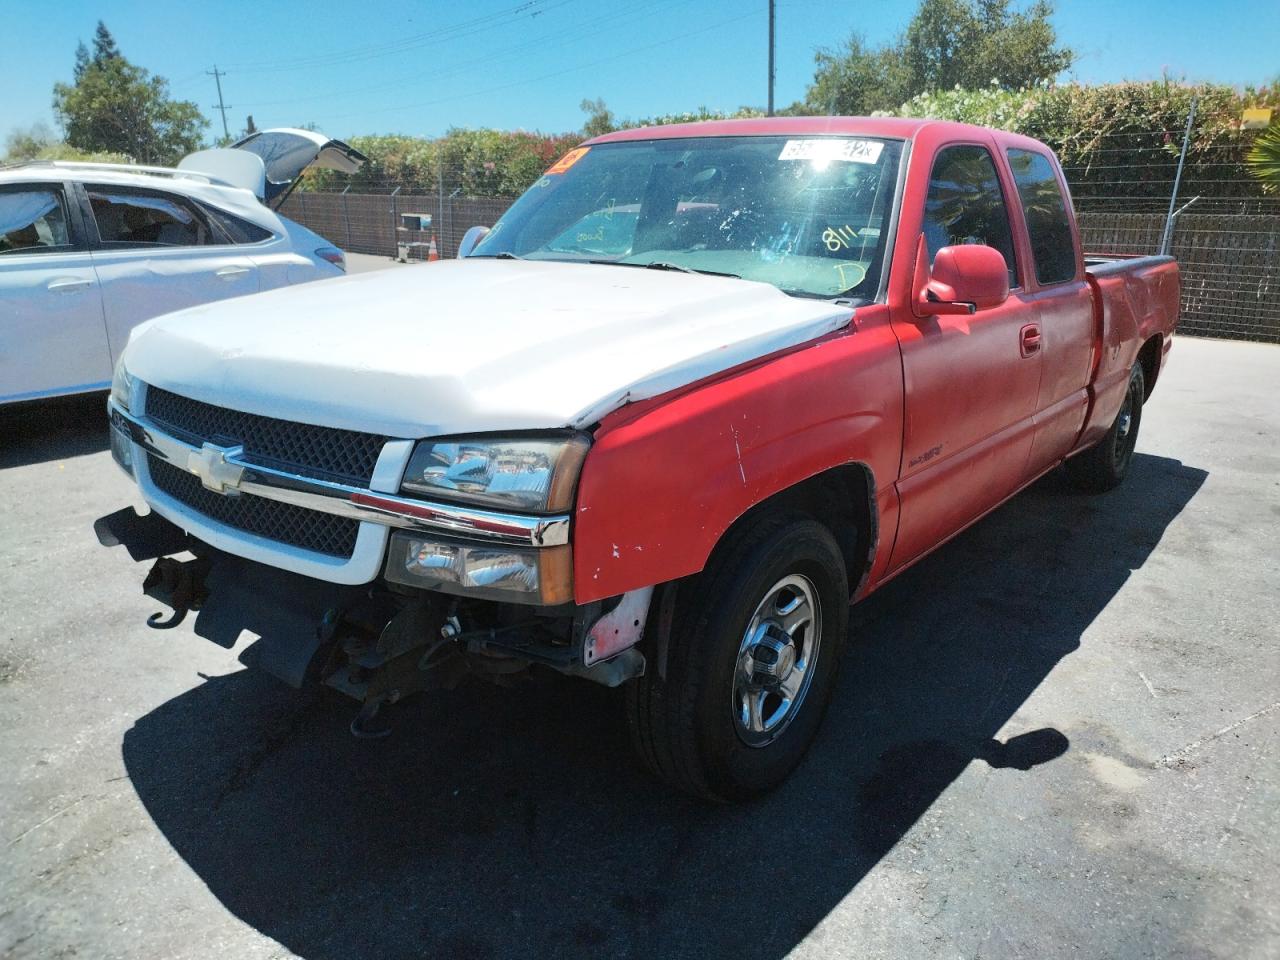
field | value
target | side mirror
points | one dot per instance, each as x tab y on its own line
470	239
963	279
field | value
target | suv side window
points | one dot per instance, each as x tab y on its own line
1053	245
33	220
966	205
142	218
237	229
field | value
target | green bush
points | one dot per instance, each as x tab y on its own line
488	163
1122	139
1115	141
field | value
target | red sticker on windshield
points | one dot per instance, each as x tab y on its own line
568	160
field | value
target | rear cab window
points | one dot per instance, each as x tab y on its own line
33	219
1053	244
966	205
131	218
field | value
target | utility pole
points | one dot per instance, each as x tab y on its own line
222	107
771	17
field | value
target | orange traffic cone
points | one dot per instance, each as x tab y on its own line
432	253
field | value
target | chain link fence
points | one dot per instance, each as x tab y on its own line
1228	246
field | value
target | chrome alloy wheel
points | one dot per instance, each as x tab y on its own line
776	660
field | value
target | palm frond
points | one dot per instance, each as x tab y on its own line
1264	158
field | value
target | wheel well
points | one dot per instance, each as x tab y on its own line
1149	357
843	498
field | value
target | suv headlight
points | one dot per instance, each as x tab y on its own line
121	385
534	474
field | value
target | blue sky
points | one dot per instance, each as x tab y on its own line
421	67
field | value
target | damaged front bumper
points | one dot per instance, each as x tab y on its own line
377	642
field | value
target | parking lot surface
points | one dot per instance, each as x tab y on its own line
1056	737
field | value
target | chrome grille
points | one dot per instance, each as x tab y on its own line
283	522
345	456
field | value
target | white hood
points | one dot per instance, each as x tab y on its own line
470	345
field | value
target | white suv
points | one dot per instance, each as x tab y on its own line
88	251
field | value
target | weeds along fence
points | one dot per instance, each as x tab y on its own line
1228	246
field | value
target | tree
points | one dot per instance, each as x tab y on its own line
949	43
858	80
600	118
972	43
28	143
118	107
104	45
38	142
82	60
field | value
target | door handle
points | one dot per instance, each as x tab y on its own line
68	284
231	273
1030	339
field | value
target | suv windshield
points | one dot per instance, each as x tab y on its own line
807	215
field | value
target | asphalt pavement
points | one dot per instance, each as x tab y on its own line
1054	738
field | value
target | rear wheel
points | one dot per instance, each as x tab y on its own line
751	665
1103	466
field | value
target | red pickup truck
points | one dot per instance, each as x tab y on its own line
699	390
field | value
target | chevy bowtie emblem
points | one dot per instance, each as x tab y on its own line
209	463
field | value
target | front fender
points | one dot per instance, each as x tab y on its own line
663	483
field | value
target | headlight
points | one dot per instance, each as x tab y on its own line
539	575
121	445
121	385
519	474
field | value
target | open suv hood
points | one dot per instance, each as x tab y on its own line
269	162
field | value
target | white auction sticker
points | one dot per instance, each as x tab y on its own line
830	148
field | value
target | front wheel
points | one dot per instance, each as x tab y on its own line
751	665
1103	466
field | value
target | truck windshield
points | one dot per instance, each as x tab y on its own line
808	215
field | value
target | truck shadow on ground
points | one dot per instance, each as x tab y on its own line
512	822
42	430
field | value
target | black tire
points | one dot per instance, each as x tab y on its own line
1103	466
684	727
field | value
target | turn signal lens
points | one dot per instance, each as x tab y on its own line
541	575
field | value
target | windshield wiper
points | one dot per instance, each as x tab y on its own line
667	265
504	255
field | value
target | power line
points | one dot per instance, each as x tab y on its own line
664	42
500	18
581	30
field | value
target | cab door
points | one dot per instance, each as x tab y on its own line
1063	302
971	380
157	252
52	339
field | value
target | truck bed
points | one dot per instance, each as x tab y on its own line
1136	301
